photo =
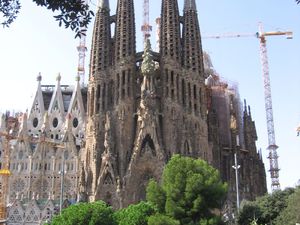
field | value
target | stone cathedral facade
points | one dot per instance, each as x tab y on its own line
144	107
44	152
106	141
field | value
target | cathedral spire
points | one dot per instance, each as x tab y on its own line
38	103
103	4
101	42
192	53
57	102
76	103
125	30
190	5
245	107
170	30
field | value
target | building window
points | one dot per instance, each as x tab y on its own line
35	122
75	122
55	122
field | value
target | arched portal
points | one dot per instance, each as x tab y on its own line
148	146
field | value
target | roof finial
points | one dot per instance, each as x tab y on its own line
58	78
39	77
190	5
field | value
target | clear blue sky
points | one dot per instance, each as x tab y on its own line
34	43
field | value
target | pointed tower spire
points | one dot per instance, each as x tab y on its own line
192	48
37	110
101	42
245	107
190	5
38	103
249	109
76	103
170	30
103	4
57	102
125	30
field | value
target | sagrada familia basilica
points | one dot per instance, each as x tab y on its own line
106	140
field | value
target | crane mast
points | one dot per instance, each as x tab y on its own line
261	35
81	48
273	156
146	27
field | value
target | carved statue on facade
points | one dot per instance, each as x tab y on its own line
108	133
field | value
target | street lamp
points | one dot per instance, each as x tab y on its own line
236	168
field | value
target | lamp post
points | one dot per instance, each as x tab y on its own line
236	168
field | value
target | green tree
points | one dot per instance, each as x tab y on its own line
211	221
96	213
156	195
137	214
190	190
159	219
250	211
291	214
265	209
73	14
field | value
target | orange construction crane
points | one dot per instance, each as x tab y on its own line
261	35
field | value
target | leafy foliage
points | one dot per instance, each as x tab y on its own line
190	190
156	195
250	211
291	214
135	214
211	221
265	209
9	9
95	213
73	14
159	219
